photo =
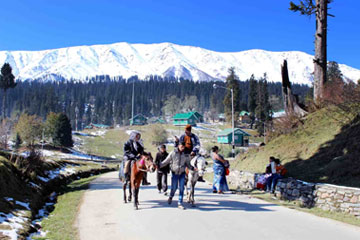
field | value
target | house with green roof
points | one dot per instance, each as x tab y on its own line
244	117
138	119
156	120
182	119
198	116
241	137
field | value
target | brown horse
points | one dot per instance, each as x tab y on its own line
138	168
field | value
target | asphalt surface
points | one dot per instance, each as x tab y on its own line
103	215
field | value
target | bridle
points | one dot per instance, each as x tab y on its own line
145	158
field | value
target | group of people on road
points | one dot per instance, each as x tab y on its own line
186	147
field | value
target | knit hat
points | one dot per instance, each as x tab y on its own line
188	127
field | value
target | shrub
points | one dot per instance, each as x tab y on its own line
159	135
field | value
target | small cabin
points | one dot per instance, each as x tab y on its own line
200	118
244	117
138	119
182	119
241	137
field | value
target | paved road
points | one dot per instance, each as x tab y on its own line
103	215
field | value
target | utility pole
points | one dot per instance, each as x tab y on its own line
132	104
232	114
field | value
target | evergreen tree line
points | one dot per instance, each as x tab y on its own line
101	100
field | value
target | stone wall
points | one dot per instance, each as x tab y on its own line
324	196
241	180
296	190
337	198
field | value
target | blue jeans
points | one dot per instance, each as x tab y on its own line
272	181
178	181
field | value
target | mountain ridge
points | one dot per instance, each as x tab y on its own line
162	59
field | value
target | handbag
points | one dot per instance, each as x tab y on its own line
227	171
226	164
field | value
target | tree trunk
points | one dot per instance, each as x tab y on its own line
291	105
320	61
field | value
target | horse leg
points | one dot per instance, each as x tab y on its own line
124	190
130	193
137	195
192	194
135	198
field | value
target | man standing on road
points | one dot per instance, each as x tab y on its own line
162	173
192	143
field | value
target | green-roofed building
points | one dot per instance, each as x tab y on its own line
138	119
241	137
244	117
156	120
182	119
200	118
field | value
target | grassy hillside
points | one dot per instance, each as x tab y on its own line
325	148
11	185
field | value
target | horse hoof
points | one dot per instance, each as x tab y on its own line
125	201
136	208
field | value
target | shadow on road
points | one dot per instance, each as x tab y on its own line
210	205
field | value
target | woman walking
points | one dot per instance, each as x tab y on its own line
219	185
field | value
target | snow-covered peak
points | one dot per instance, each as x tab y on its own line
163	59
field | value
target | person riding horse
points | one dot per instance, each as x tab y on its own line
133	148
192	144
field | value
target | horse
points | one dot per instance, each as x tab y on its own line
200	163
138	168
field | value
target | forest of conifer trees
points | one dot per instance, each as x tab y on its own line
101	100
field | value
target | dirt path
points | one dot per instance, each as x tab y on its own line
103	215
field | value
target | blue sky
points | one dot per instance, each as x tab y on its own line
226	25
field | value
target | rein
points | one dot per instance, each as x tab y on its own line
142	170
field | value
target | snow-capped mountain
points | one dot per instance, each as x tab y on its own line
163	59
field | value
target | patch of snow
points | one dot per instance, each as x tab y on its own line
14	222
43	179
25	205
34	185
100	133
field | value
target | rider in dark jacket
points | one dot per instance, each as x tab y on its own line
133	148
192	144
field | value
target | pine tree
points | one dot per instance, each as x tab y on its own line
334	72
7	80
252	98
232	82
62	135
320	9
263	108
18	141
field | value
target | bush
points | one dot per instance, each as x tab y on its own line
159	134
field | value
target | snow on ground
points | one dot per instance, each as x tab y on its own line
65	171
25	205
99	133
14	222
40	216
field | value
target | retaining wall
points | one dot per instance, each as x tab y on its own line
325	196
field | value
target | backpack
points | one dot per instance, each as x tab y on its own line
281	170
